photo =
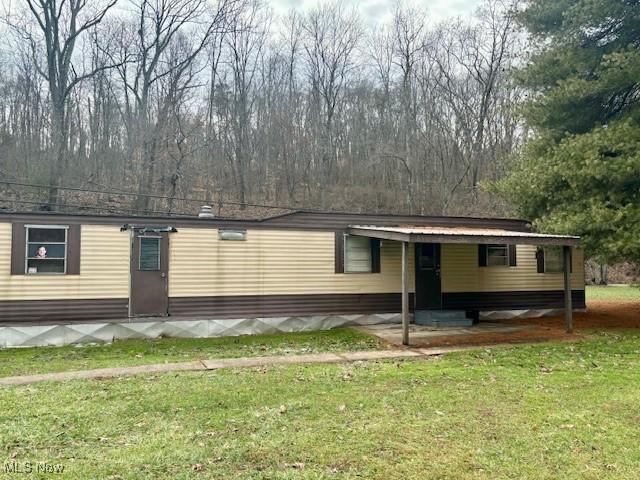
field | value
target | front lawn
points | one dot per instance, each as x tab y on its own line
612	292
27	361
548	411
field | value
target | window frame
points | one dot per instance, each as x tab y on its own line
346	258
159	241
65	259
506	256
545	256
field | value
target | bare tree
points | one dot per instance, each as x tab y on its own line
159	24
331	36
210	101
54	36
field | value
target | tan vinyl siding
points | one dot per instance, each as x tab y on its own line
461	273
104	269
271	262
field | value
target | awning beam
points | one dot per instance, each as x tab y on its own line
469	239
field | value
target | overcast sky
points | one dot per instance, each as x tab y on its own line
376	11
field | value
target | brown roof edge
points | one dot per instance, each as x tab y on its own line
301	219
395	215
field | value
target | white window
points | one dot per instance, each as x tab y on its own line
553	260
357	254
497	256
46	249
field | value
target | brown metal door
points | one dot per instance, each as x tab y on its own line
149	274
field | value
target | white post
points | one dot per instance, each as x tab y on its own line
405	293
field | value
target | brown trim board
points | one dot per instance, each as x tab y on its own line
538	299
242	306
62	311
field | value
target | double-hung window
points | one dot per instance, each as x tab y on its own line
497	256
46	249
553	260
357	254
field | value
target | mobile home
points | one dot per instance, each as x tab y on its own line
77	278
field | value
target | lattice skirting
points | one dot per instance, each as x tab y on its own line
57	335
530	313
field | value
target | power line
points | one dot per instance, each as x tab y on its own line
133	194
93	207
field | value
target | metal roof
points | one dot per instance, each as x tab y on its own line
437	234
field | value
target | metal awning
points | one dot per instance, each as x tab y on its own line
425	234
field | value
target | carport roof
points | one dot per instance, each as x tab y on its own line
427	234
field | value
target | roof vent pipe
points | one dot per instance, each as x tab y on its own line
206	211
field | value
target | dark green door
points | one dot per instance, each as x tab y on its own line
428	289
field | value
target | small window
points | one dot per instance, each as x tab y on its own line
426	256
497	256
553	260
149	254
357	254
46	250
232	234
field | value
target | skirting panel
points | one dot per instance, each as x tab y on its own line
531	313
57	335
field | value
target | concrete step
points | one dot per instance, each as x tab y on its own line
442	318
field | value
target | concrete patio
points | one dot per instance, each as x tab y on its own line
480	333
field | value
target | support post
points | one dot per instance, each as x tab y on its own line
405	293
568	307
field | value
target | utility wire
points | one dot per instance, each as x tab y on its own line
133	194
93	207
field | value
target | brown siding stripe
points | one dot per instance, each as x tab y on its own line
62	311
241	306
510	300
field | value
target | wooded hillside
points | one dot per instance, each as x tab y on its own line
225	103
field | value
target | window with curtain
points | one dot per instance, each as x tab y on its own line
357	254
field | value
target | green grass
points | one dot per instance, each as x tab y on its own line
25	361
612	292
560	410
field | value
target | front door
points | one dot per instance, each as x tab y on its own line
149	269
428	289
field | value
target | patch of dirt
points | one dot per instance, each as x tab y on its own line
599	314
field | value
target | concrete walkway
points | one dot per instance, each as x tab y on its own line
243	362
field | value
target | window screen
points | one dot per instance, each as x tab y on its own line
149	253
497	256
357	254
46	250
553	261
